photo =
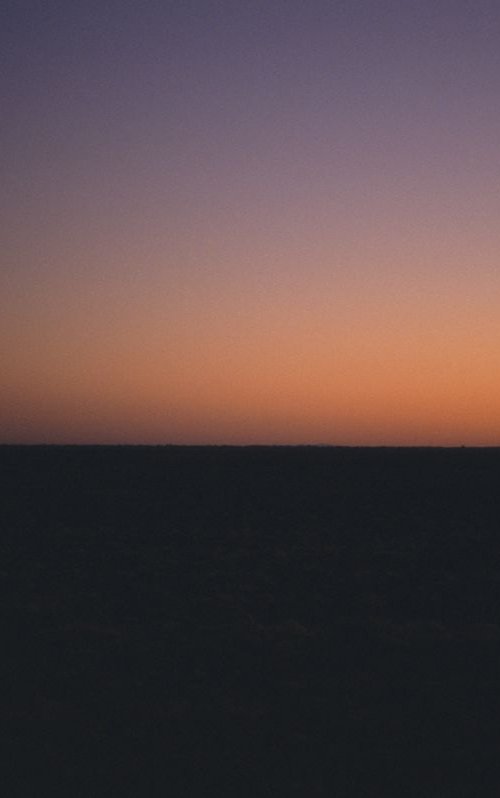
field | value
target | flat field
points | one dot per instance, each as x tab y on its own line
250	621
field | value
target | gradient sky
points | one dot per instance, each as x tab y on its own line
257	221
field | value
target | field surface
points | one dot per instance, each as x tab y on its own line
250	622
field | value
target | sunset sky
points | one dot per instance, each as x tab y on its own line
250	221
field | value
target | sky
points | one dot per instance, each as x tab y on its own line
257	221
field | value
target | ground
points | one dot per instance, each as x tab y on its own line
251	621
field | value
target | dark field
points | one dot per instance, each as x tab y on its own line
250	622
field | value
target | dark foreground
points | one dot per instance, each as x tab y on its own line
250	622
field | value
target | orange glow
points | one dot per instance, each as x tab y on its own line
296	363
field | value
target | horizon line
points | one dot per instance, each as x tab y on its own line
245	445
